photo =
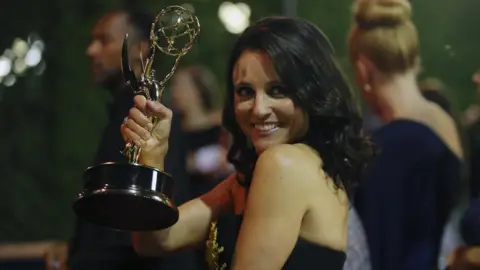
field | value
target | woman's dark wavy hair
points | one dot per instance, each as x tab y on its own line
304	60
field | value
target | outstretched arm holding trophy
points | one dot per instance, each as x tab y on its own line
134	196
146	131
191	229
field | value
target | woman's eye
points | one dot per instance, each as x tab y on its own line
244	91
277	91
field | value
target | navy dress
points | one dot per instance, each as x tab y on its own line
305	255
407	195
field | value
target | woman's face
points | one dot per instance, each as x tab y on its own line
263	111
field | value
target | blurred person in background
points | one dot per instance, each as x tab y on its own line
194	98
94	247
471	219
411	188
474	141
434	89
471	115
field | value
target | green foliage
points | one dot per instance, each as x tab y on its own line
53	121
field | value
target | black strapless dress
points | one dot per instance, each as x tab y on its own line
305	255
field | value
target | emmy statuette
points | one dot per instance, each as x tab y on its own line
130	196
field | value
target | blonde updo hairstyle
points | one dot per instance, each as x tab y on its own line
384	33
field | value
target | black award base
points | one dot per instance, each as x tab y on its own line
127	197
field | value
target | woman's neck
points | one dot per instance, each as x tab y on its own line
398	96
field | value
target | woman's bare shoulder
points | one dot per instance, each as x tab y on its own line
289	162
290	155
296	168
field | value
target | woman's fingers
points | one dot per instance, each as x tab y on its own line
140	119
158	110
138	128
140	102
163	116
130	136
144	109
141	131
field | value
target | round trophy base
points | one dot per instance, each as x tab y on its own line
127	197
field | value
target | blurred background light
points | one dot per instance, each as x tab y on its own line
21	57
234	17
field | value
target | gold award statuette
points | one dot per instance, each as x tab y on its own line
130	196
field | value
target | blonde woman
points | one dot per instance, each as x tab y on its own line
410	189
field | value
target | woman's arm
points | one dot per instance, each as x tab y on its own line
192	226
277	202
194	216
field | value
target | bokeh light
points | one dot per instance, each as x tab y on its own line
235	17
20	58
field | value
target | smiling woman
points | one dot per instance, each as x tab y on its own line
264	112
292	77
297	148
